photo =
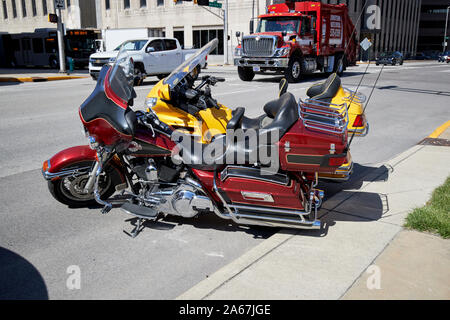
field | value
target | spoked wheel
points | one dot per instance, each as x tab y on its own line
70	190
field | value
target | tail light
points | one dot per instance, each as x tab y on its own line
336	162
206	58
359	121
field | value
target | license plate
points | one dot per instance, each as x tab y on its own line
256	68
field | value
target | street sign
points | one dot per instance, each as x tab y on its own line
215	4
60	4
365	44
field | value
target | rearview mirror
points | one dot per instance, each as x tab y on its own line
238	34
252	25
150	49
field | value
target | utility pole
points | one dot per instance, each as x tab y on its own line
445	36
225	32
62	58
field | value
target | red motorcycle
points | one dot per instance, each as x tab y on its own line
161	171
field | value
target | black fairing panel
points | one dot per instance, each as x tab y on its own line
99	106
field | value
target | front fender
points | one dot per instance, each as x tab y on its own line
68	157
54	167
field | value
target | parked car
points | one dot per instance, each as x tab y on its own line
154	56
422	56
392	58
443	56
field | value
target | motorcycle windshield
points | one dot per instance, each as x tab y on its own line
189	65
120	78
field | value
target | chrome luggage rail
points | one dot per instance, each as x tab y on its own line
354	96
322	116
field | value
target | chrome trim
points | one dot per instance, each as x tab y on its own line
257	196
259	45
272	210
65	173
361	132
358	97
326	117
225	175
277	62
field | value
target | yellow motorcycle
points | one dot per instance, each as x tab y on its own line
198	114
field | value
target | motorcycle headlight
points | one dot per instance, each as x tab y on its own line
150	102
238	52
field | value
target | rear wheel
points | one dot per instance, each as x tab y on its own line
246	73
293	72
70	190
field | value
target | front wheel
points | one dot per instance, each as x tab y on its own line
246	74
293	72
70	190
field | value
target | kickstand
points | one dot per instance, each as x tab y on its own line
136	230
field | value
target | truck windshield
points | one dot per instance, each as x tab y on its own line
132	45
278	24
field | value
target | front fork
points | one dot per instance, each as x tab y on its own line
102	156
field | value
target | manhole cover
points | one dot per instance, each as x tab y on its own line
435	142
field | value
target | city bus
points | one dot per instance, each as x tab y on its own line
40	48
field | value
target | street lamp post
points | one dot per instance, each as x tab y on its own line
445	33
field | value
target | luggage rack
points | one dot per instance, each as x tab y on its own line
322	116
354	96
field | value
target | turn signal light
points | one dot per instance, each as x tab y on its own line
358	122
45	166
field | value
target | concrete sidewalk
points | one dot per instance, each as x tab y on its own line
37	75
359	224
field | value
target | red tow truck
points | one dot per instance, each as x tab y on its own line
296	38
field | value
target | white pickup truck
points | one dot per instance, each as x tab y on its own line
151	56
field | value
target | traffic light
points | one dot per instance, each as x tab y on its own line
53	18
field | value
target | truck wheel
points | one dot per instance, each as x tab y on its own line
246	74
338	66
293	72
138	76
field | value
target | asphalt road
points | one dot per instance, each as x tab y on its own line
41	238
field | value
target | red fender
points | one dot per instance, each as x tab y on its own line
78	154
68	157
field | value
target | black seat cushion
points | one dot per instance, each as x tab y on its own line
236	120
325	91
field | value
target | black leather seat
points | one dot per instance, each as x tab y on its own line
244	147
325	91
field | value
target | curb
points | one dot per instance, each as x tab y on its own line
39	79
436	133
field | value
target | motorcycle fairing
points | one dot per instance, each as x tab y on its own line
105	115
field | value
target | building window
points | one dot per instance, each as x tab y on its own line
44	7
5	10
24	9
33	7
14	8
68	4
179	2
126	4
143	3
107	5
202	37
160	3
180	36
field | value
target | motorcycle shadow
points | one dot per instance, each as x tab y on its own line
206	221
